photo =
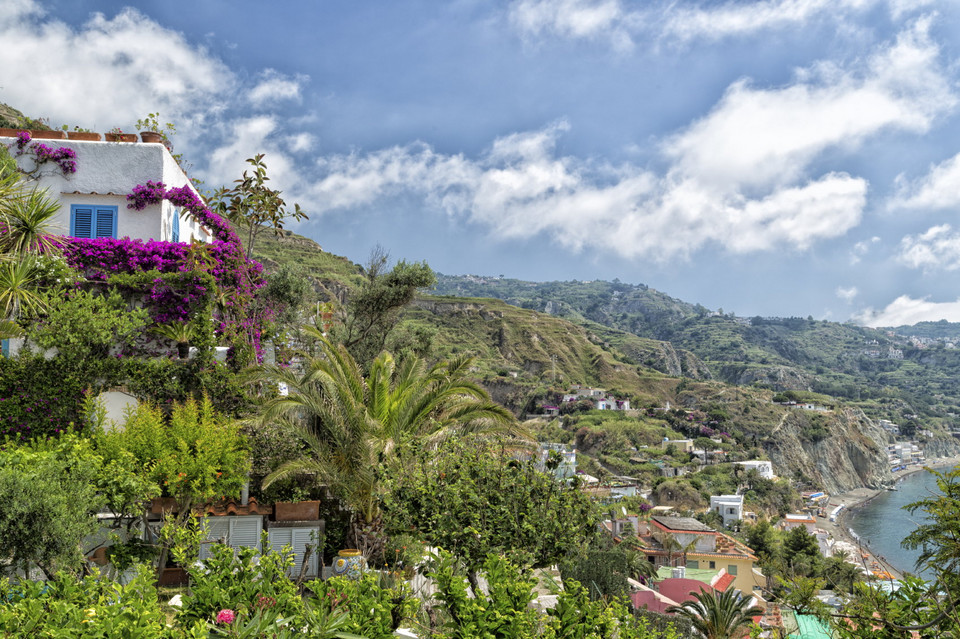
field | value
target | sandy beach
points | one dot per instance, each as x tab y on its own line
840	532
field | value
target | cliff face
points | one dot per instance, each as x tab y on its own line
852	455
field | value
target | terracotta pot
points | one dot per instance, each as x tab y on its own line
151	137
173	576
83	135
120	137
159	505
296	510
349	563
48	135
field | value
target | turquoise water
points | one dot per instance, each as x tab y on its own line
882	523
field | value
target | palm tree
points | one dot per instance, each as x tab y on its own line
18	289
26	223
353	424
714	615
639	567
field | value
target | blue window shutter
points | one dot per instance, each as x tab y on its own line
175	234
106	221
81	221
5	348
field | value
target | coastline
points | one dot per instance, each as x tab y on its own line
839	531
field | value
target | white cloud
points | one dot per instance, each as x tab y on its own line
275	87
301	142
905	311
847	294
108	72
744	18
938	189
936	249
739	178
764	137
623	24
577	19
860	249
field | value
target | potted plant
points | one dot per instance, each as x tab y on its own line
179	332
294	504
117	135
79	133
151	131
403	553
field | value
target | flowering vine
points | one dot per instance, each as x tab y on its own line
174	280
64	157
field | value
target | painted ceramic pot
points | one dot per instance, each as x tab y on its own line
349	563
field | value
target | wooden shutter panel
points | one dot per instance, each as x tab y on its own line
245	532
82	222
302	537
106	223
175	235
217	529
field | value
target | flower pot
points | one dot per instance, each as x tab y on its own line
120	137
151	137
83	135
296	511
173	576
183	349
160	505
349	563
47	135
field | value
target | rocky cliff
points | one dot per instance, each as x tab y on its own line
838	450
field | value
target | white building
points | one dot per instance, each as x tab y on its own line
93	200
763	468
729	507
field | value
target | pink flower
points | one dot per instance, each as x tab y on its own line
226	616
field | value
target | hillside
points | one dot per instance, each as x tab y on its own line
526	356
882	372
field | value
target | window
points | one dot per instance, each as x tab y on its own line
693	563
731	570
92	221
175	228
731	511
713	565
4	347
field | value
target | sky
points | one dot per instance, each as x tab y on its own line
773	158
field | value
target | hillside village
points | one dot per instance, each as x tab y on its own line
213	425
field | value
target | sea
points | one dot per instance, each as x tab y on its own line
882	523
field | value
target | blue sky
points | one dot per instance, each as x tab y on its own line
781	157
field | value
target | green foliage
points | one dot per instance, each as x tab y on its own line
501	612
602	571
377	604
474	500
504	611
373	309
84	325
39	397
194	456
49	496
877	614
243	580
253	206
718	615
88	608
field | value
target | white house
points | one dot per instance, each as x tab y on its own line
93	200
763	468
729	507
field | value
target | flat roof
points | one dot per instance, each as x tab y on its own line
688	524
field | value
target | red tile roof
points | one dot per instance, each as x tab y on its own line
724	582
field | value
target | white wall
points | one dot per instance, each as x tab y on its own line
106	173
